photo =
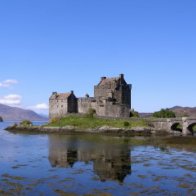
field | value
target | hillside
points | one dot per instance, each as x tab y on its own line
178	110
184	111
14	113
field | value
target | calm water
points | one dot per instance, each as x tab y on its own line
92	165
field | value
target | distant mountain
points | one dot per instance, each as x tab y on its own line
145	115
184	111
14	113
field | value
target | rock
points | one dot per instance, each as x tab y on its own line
108	128
75	130
140	129
68	127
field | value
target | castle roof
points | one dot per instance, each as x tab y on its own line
60	96
114	81
63	95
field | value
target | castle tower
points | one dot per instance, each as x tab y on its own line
115	89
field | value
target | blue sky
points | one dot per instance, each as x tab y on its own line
63	45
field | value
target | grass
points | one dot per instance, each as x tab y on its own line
94	122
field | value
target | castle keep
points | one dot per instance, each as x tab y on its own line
112	98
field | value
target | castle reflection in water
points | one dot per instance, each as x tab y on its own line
110	161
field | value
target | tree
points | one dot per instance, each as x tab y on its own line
134	113
164	113
26	123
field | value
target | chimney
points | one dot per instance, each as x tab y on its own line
121	76
87	95
103	78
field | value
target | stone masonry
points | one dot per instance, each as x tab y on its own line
112	98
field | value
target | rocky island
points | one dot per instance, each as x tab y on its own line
82	124
90	124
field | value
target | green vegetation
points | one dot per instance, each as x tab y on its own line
26	123
194	128
126	124
91	112
1	119
94	122
134	113
164	113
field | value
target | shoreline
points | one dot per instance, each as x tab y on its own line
103	130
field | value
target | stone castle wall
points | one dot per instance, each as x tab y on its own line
57	108
126	95
116	110
103	108
85	103
60	107
72	104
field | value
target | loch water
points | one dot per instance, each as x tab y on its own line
41	164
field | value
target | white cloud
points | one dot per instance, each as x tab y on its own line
12	100
42	106
8	83
39	106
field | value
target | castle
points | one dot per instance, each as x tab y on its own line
112	98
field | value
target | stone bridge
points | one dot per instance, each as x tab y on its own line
171	125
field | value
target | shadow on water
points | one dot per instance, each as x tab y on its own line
110	162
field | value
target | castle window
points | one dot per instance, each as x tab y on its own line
62	106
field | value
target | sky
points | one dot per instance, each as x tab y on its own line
64	45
